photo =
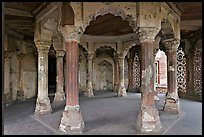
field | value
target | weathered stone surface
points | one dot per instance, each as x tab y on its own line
172	103
72	121
43	107
148	120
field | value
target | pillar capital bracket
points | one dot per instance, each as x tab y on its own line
121	56
60	53
147	33
71	33
7	54
170	44
43	45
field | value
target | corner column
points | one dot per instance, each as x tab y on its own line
148	117
7	74
89	90
59	95
43	106
122	90
172	103
72	121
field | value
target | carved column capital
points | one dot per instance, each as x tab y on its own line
7	54
43	45
147	33
71	33
60	53
170	44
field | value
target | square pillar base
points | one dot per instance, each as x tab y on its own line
148	120
43	107
172	105
122	92
72	121
59	96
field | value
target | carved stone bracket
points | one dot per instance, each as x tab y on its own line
147	33
43	45
71	33
170	44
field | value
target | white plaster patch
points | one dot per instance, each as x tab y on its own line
171	68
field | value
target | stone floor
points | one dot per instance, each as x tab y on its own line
104	114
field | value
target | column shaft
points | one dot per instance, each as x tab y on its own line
72	121
43	106
116	75
89	90
59	95
121	90
172	102
148	117
7	74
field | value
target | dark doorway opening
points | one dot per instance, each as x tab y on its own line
51	75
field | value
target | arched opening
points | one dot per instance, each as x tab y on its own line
161	72
103	67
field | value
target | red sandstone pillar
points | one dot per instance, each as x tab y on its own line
148	117
72	121
89	89
130	73
59	95
43	106
172	100
122	90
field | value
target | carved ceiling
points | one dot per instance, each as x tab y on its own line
20	17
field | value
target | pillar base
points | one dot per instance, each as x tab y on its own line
88	94
115	88
172	105
122	92
148	120
59	96
7	98
43	107
72	121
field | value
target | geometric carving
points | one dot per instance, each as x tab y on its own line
136	72
181	70
197	71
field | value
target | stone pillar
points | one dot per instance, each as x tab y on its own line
59	95
89	87
172	99
43	106
156	97
148	117
7	74
122	90
130	74
116	73
72	121
21	94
